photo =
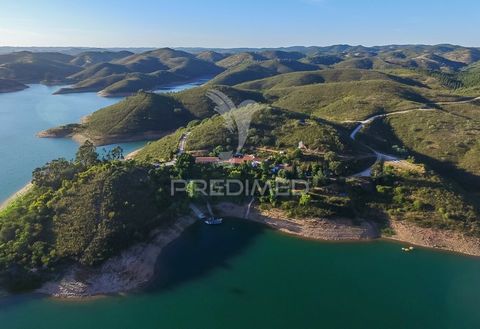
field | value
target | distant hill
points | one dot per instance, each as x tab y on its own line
28	67
73	51
146	71
124	72
312	77
278	54
94	57
241	58
211	56
259	70
11	85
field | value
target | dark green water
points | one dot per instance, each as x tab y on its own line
239	275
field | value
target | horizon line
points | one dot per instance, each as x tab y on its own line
248	47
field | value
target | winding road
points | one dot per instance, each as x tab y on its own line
181	149
386	157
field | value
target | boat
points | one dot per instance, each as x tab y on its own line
214	221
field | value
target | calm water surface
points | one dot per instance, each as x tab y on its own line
23	114
239	275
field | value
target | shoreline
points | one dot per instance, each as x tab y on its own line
337	230
135	267
128	271
4	204
80	137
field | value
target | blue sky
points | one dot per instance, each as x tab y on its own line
237	23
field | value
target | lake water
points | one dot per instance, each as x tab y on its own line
239	275
23	114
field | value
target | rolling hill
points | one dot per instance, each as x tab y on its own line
146	116
95	57
28	67
271	128
248	72
141	71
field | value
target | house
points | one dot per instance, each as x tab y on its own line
205	160
242	159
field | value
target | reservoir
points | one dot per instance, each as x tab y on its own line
241	275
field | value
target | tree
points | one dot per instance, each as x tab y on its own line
192	190
87	155
185	165
305	199
114	154
53	173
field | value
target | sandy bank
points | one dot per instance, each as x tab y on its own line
435	238
346	230
133	154
340	229
16	195
128	271
80	136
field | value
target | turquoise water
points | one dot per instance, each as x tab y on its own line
239	275
23	114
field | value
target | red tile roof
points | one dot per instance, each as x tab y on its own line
207	160
241	160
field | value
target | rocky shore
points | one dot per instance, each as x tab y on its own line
78	133
346	230
340	229
435	238
128	271
135	267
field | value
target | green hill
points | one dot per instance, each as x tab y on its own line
259	70
447	139
211	56
100	70
323	76
352	100
282	55
271	128
240	58
463	55
147	115
88	58
29	67
141	71
79	212
470	77
323	59
356	63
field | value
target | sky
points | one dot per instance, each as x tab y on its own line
237	23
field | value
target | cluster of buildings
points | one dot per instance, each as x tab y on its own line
236	159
